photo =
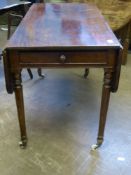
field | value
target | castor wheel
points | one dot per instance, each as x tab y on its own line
97	145
86	73
23	144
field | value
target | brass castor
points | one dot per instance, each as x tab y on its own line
97	145
23	143
86	73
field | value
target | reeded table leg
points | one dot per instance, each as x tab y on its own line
20	109
104	107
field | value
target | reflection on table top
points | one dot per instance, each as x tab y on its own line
62	25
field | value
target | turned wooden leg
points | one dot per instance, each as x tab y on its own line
39	70
104	106
86	72
20	109
30	73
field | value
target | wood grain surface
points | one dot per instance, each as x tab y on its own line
54	25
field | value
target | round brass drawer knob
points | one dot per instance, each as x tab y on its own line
62	58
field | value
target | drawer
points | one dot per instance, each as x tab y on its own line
70	57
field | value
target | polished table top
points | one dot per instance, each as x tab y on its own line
63	25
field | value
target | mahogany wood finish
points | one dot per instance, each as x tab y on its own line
20	107
17	7
50	35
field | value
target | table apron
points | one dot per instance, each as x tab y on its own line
66	59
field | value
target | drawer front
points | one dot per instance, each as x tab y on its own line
63	58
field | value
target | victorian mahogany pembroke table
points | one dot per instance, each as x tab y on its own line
50	35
